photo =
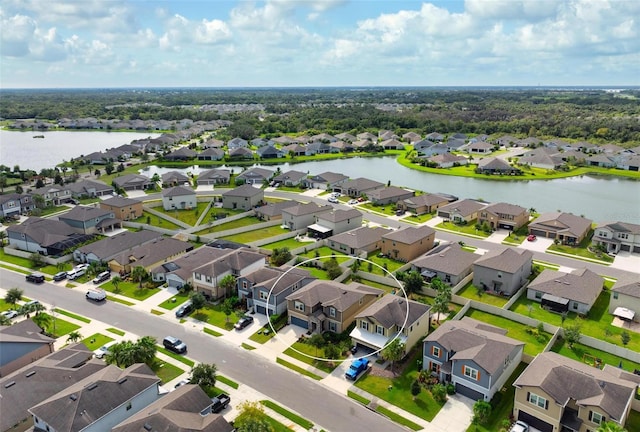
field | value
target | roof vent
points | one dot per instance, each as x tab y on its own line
30	373
9	384
122	381
92	386
147	427
73	397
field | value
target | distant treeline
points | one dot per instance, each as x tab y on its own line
594	115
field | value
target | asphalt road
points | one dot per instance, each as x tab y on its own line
312	400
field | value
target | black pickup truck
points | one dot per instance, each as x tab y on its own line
220	402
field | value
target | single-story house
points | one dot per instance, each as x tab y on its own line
212	154
360	186
625	299
494	165
294	150
503	272
566	292
255	175
542	157
179	198
408	243
290	178
149	255
326	180
133	182
392	144
480	147
422	204
237	142
448	262
389	195
461	211
243	197
174	178
273	211
213	177
89	188
240	153
109	247
447	160
411	137
270	152
181	154
357	241
566	227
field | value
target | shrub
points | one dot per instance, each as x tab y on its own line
451	389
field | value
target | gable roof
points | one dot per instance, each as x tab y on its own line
84	213
245	190
120	242
339	215
582	285
25	331
306	209
273	209
449	259
628	286
118	201
465	207
562	222
332	293
494	163
214	174
395	311
425	200
508	260
277	279
360	237
178	191
45	232
565	379
389	192
410	235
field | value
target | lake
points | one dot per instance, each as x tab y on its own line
20	148
602	198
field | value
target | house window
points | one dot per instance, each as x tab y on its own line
380	330
333	326
244	284
299	306
435	351
596	417
470	372
575	306
208	279
332	312
537	400
538	295
197	276
128	406
263	295
364	325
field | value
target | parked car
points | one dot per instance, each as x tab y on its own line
174	344
9	314
357	366
531	237
243	322
104	349
519	426
184	310
181	383
399	212
220	402
60	276
101	277
82	266
35	278
76	273
333	200
96	294
352	202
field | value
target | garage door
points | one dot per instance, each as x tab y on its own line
626	248
636	249
299	322
470	393
540	233
261	310
505	226
535	422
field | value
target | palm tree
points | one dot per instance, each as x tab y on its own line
74	336
393	352
121	354
115	281
146	349
13	296
228	283
42	320
139	274
610	427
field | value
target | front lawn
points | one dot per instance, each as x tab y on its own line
166	371
96	340
301	351
188	216
52	209
592	356
130	289
466	229
580	252
418	218
213	315
290	243
238	223
397	391
153	220
51	269
325	251
251	236
471	292
59	327
388	210
19	261
175	301
533	345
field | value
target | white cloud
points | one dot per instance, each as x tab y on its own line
211	32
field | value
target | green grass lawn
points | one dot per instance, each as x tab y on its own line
170	304
393	416
585	354
179	357
4	306
514	329
166	371
59	327
130	289
386	263
238	223
468	229
317	273
98	340
298	369
386	288
471	292
399	395
306	424
52	209
545	265
251	236
115	331
260	336
19	261
302	351
189	216
325	251
418	218
290	243
119	300
72	315
389	209
633	421
51	269
580	251
213	315
156	221
276	425
597	324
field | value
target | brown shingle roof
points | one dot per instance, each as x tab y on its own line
561	223
465	207
393	310
508	260
582	285
331	293
410	235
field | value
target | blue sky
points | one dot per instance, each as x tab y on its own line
213	43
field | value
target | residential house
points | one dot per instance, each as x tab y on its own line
601	160
100	401
422	204
238	263
149	255
331	306
261	142
455	144
179	271
346	137
565	227
41	379
319	147
458	136
236	143
241	153
610	148
22	343
14	204
89	189
270	152
181	154
294	150
494	165
187	408
556	393
625	298
273	211
391	317
428	148
566	292
629	163
212	143
480	147
503	272
364	145
392	144
389	195
324	137
360	186
45	236
386	135
133	182
542	157
213	177
411	137
285	140
243	197
367	136
53	194
408	243
358	241
335	222
267	288
617	237
108	248
255	175
126	209
448	160
302	215
326	181
435	137
477	358
462	211
503	216
342	146
448	262
175	178
90	220
507	141
179	198
211	154
290	178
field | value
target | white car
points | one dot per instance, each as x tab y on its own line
333	200
352	202
519	426
10	314
104	349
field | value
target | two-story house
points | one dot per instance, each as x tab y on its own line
408	243
625	298
53	194
477	358
90	220
566	292
125	209
503	215
149	255
179	198
617	237
556	393
503	272
179	271
461	211
302	215
20	344
15	204
388	318
335	222
329	305
243	197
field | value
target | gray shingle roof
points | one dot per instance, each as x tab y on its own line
410	235
308	208
174	176
153	252
425	200
274	209
509	260
118	201
561	222
131	179
582	285
253	173
360	237
630	287
505	209
113	245
450	259
46	232
623	227
361	184
395	310
178	191
328	177
291	175
214	174
339	215
244	191
464	207
389	192
84	213
237	259
332	293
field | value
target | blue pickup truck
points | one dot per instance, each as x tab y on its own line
357	366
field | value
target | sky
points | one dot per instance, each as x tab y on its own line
318	43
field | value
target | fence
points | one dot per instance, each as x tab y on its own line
47	259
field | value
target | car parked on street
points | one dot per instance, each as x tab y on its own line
35	278
352	202
333	200
60	276
243	322
174	344
185	309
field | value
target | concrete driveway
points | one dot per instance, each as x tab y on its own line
627	261
136	194
538	245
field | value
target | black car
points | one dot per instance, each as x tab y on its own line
184	310
243	322
35	278
174	344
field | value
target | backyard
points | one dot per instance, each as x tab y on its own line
290	243
188	216
466	229
325	251
238	223
153	220
251	236
592	356
471	292
386	263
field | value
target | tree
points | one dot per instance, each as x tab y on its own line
145	350
42	320
482	411
332	352
74	336
252	418
139	274
97	173
36	259
13	296
228	285
572	334
393	352
625	337
3	236
280	256
204	375
317	341
115	281
416	388
108	168
440	307
610	426
332	268
413	282
31	308
439	392
4	321
197	301
121	354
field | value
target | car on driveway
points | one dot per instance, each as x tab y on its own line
531	237
243	322
9	314
519	426
333	200
104	349
352	202
184	310
174	344
357	366
181	383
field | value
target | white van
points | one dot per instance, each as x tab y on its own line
76	273
96	294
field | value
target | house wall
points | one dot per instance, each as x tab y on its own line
297	222
574	306
14	356
342	226
10	207
394	199
121	413
341	247
481	384
495	220
500	376
626	301
179	202
510	282
276	302
124	213
407	252
245	203
551	415
416	331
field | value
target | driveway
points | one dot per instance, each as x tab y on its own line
498	236
627	261
538	245
136	194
